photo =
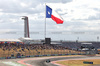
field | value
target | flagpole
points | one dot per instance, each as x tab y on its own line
45	22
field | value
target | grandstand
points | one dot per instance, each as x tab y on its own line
77	45
15	49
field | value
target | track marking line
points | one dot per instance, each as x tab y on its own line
22	62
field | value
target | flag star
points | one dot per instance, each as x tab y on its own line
48	12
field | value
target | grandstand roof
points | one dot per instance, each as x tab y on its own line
11	40
55	42
86	43
25	38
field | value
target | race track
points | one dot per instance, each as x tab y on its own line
41	61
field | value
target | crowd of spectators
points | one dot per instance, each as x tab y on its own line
9	46
65	45
24	49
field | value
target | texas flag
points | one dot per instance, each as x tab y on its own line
53	15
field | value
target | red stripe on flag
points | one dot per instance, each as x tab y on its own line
57	20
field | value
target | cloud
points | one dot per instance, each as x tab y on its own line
18	6
97	9
24	6
96	17
55	1
78	15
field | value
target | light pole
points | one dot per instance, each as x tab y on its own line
97	38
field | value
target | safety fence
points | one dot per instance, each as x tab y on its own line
39	56
37	53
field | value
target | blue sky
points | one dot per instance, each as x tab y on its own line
79	16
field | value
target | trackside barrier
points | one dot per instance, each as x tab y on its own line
59	54
13	57
79	54
66	54
53	55
27	56
32	56
83	54
36	55
8	57
73	54
87	62
44	55
63	54
18	56
69	54
48	55
3	58
40	55
56	54
23	56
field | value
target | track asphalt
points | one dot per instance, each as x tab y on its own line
41	61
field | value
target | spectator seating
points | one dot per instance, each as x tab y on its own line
8	50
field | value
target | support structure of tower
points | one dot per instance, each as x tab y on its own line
26	27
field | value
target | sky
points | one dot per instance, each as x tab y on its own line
81	19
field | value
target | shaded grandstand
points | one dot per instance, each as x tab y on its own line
77	45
